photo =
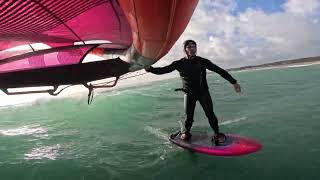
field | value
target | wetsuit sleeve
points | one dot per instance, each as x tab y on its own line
163	70
220	71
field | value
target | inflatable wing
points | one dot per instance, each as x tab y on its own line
45	42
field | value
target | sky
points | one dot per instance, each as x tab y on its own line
235	33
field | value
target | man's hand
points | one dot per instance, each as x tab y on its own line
148	69
237	87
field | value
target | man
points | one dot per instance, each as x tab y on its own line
192	69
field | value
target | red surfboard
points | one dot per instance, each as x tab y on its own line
235	145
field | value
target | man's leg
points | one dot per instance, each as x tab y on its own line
207	105
189	105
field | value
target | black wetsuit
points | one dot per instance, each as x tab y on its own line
193	75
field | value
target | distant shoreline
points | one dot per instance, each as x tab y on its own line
287	63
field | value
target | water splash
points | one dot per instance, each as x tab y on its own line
232	121
44	152
35	129
157	132
162	135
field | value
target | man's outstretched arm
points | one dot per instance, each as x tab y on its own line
224	74
163	70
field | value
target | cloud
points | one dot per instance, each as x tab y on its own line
305	7
233	39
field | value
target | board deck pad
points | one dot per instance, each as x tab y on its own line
235	145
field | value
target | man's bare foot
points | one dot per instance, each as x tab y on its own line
185	136
219	138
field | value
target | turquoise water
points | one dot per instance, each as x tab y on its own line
123	134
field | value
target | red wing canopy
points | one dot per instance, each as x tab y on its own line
57	24
46	58
43	42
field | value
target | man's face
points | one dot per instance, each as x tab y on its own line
191	49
